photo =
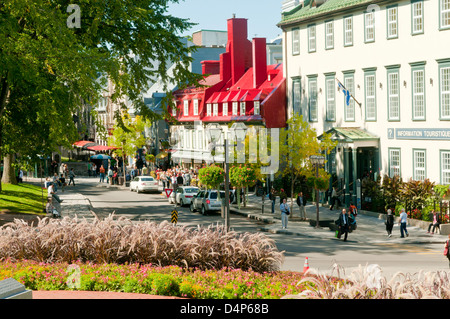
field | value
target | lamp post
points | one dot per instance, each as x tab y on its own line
214	131
317	161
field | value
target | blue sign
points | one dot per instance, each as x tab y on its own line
422	134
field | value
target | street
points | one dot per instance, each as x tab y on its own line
322	252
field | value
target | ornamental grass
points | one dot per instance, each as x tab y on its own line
119	241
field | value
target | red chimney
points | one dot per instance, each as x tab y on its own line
259	61
240	48
210	67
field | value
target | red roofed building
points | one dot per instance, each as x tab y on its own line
239	87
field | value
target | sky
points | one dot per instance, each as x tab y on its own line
262	15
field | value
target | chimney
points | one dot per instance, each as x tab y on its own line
210	67
259	61
240	47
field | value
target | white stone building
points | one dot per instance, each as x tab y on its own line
394	59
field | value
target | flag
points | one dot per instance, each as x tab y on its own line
346	93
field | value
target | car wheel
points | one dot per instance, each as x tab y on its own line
191	207
181	203
203	210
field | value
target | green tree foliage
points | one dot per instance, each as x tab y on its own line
242	176
47	68
211	176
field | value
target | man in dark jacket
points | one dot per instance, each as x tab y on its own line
301	202
344	223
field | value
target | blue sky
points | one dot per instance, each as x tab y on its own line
262	15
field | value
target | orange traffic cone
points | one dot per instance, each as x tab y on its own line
306	265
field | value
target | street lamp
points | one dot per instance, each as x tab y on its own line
214	131
317	161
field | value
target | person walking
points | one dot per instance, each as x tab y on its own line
344	224
403	221
389	222
102	174
273	198
301	202
71	177
435	222
285	211
62	180
447	249
334	198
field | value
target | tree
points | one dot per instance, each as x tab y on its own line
48	64
297	143
127	136
242	176
211	176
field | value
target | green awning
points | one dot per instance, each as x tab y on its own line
350	134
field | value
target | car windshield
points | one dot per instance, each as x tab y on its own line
191	190
147	179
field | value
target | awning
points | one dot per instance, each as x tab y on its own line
100	156
101	148
84	144
358	136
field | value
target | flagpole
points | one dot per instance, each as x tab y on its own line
349	92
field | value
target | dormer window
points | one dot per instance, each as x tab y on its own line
174	110
235	108
208	109
186	107
215	109
195	106
256	107
225	109
242	108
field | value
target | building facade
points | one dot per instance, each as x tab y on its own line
375	74
239	87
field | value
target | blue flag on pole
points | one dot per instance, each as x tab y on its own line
346	93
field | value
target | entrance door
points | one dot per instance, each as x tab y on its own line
367	162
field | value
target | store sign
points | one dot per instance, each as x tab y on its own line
420	133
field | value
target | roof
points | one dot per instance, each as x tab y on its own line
303	13
350	134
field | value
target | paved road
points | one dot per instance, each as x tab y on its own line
368	245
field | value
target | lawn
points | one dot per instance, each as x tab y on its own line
22	198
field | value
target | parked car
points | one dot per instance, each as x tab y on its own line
206	201
144	184
183	195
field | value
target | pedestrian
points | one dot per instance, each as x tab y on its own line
89	168
20	176
180	180
52	193
94	169
334	199
344	222
285	211
102	174
71	177
435	221
403	220
110	175
447	249
389	222
273	197
301	202
62	181
353	212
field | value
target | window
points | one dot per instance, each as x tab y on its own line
329	35
331	98
445	167
208	109
394	162
393	87
348	31
195	106
256	107
369	27
235	108
312	38
418	93
370	91
174	109
419	159
312	99
225	109
392	22
349	83
296	87
444	89
444	9
417	17
295	41
215	109
186	107
242	105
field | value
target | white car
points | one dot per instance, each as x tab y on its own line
183	195
144	184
